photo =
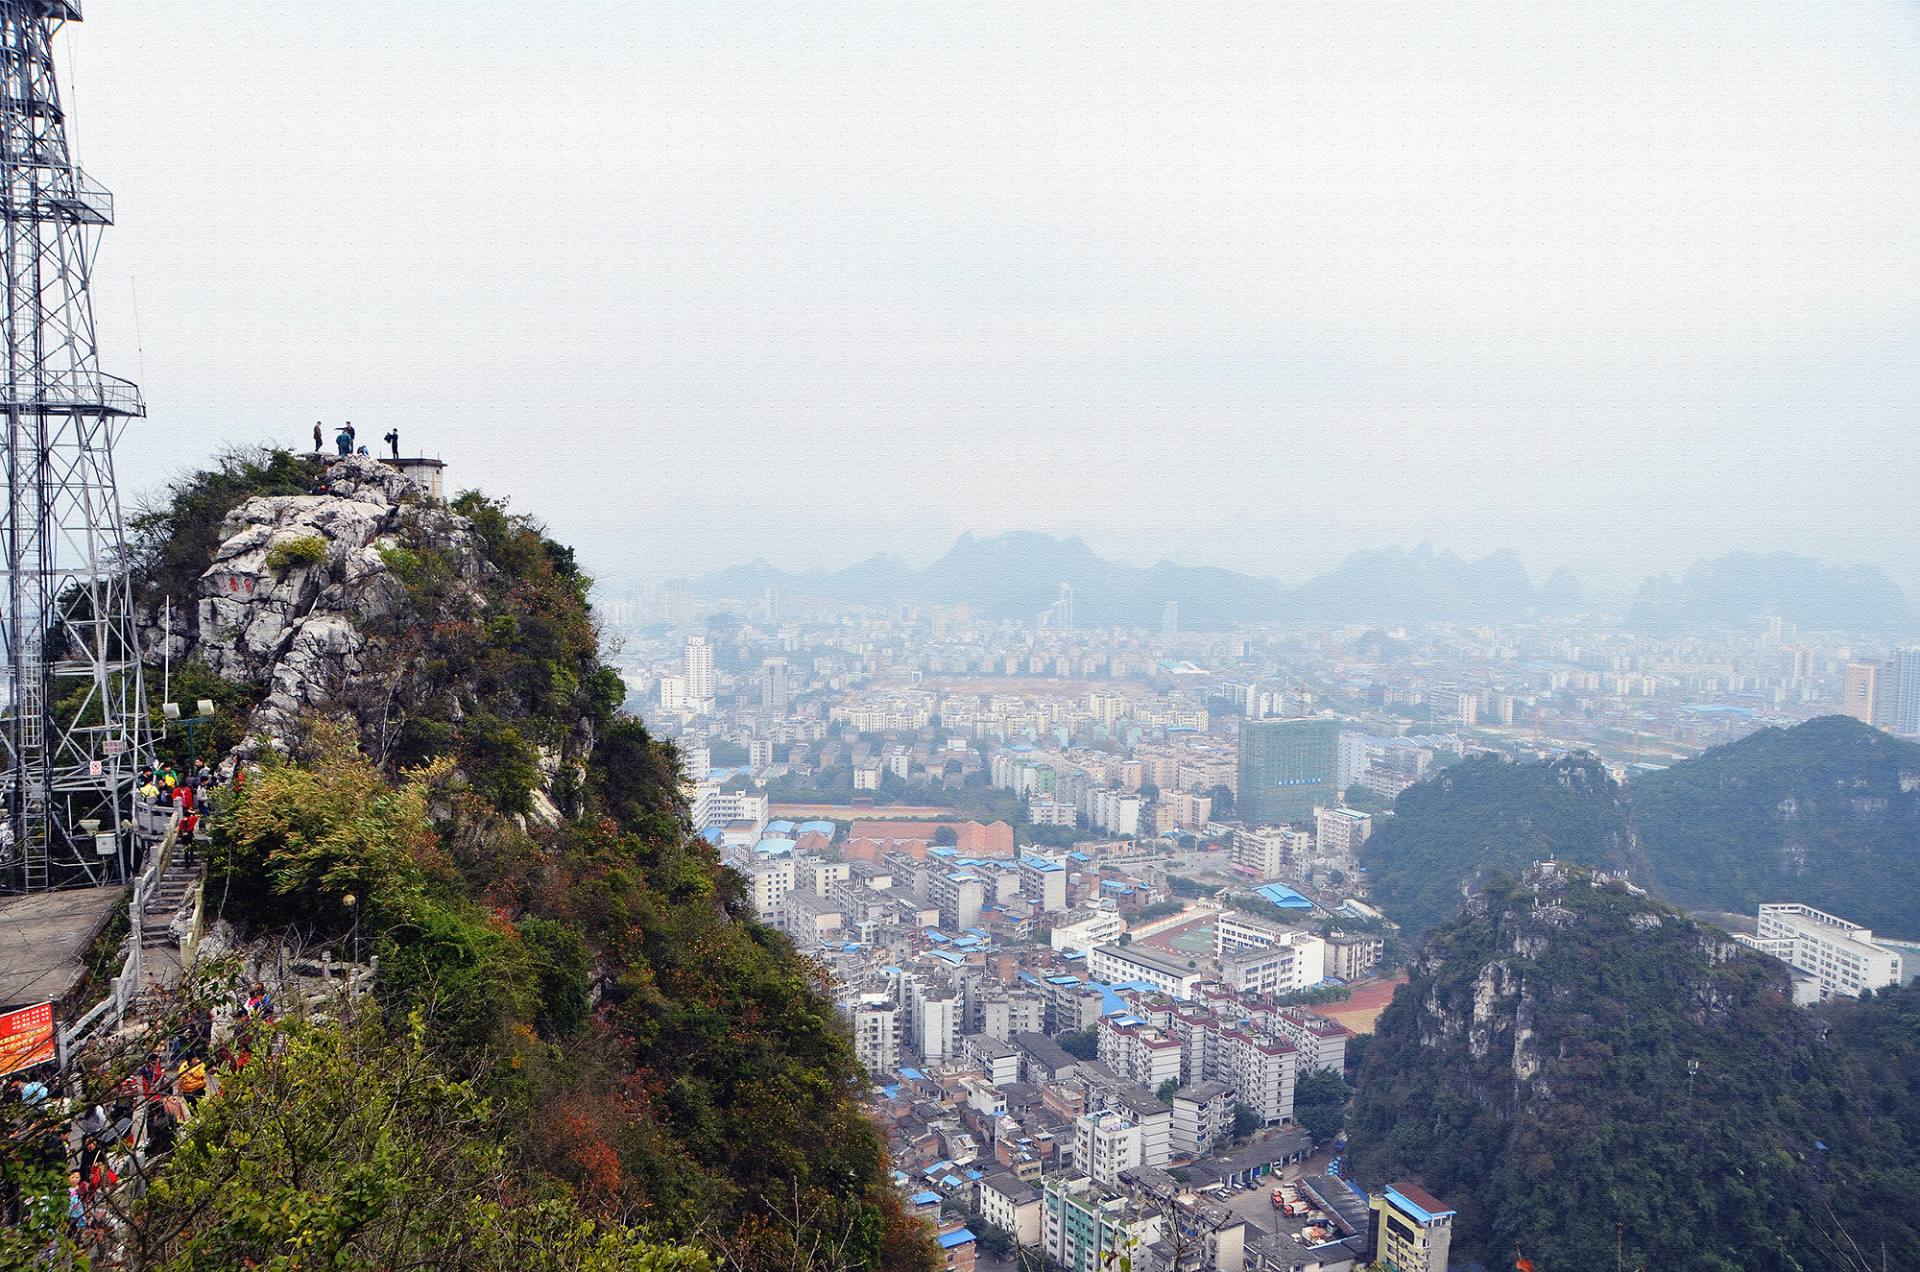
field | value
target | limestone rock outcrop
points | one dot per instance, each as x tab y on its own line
299	579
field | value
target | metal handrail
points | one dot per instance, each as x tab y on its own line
126	985
73	390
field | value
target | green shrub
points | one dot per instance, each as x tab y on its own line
293	554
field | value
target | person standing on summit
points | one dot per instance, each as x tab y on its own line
316	437
344	440
393	439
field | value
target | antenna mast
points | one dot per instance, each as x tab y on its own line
72	703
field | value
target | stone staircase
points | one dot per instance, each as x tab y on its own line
170	892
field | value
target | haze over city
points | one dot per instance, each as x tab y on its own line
1612	286
959	637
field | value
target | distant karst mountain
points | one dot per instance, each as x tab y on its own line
1748	585
1018	574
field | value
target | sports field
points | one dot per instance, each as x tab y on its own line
1369	999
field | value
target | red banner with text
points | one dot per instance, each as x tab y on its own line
26	1038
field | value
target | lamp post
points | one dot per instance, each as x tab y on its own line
202	717
352	903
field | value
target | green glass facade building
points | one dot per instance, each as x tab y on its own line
1286	769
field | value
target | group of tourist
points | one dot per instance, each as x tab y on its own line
102	1130
163	785
345	440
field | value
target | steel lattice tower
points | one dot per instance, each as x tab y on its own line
71	703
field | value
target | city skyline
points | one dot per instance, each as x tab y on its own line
1620	289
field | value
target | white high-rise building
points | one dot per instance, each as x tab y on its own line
673	694
698	758
699	673
1902	692
774	685
876	1032
936	1022
1341	831
1104	1144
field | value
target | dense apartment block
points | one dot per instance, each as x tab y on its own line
1202	1116
1118	964
1139	1052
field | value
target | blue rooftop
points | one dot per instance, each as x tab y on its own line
958	1237
1110	1001
775	846
913	1075
816	827
927	1198
780	827
1412	1207
1283	896
713	834
1040	863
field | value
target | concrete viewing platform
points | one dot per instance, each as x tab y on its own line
44	938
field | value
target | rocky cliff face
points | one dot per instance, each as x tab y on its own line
298	582
1569	1055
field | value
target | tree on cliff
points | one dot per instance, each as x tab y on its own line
437	736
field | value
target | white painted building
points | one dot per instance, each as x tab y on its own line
1341	831
1262	1069
1043	882
1086	929
1114	964
959	894
876	1032
1104	1144
699	674
1202	1114
771	880
1842	955
995	1057
936	1024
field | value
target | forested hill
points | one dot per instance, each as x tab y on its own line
434	736
1486	816
1827	812
1534	1073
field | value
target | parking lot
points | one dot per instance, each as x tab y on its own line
1256	1206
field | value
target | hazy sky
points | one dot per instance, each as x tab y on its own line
1613	284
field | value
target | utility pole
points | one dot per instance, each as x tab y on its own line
72	704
